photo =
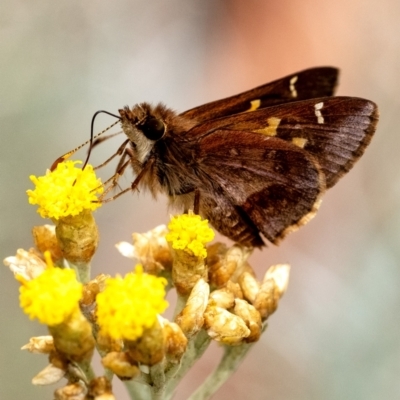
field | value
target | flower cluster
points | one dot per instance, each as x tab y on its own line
219	297
129	305
190	233
53	296
66	191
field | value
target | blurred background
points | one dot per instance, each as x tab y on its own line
336	334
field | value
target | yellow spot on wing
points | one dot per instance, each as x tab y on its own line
318	113
270	129
254	105
300	142
292	88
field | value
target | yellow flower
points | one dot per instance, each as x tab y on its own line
53	296
66	191
129	305
190	233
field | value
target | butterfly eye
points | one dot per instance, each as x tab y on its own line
153	128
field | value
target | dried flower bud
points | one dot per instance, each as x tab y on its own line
105	344
40	345
100	389
224	326
49	375
251	317
78	237
175	340
191	318
92	288
235	289
280	274
26	264
267	299
88	300
242	268
149	348
223	298
249	286
45	239
227	266
152	250
121	364
215	253
271	290
74	391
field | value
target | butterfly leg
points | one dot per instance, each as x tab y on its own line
196	203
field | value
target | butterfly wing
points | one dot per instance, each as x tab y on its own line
268	169
307	84
259	184
335	130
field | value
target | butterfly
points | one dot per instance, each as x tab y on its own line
255	164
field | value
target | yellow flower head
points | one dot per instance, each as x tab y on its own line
190	233
129	305
66	191
53	296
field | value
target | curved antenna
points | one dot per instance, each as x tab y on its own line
69	154
91	132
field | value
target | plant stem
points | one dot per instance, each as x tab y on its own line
233	356
137	390
228	364
196	347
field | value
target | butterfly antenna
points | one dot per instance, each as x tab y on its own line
92	137
91	132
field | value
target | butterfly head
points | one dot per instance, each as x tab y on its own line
144	126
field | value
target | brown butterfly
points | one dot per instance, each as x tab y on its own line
255	163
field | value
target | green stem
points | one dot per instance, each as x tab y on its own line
196	348
86	370
230	361
137	390
233	356
158	377
82	271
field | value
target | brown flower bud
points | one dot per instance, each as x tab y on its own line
152	250
251	317
227	264
121	364
223	298
105	344
45	239
191	318
74	391
40	345
175	340
249	285
235	289
245	267
92	288
224	326
272	289
267	299
100	389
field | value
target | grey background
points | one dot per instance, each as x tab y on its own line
336	333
